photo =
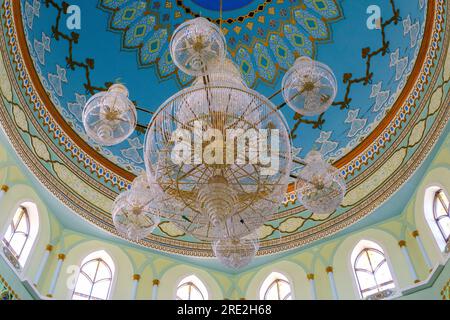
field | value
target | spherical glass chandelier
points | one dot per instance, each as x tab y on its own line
309	87
109	117
320	186
195	45
235	253
132	217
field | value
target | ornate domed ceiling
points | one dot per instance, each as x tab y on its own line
378	130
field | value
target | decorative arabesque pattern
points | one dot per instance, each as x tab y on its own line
254	38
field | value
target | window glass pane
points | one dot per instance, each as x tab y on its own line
195	294
100	290
183	292
278	290
375	258
192	288
362	262
90	269
371	268
444	198
276	286
83	285
23	225
16	235
383	274
18	242
366	280
103	272
440	210
272	293
8	234
95	277
444	224
17	217
285	289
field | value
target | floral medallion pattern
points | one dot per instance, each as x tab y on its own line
255	38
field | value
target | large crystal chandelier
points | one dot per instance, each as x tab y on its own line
223	151
218	154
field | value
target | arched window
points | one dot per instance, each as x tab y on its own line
95	277
371	269
191	288
441	213
276	287
22	232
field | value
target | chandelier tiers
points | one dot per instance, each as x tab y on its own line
227	188
217	154
109	117
320	186
309	87
195	44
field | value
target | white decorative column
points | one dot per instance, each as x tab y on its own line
155	289
136	278
3	189
425	256
51	290
312	286
332	283
402	244
44	260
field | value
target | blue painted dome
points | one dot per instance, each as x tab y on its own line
382	64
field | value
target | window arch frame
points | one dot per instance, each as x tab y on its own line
12	229
190	281
428	213
99	257
33	229
279	278
363	246
437	198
